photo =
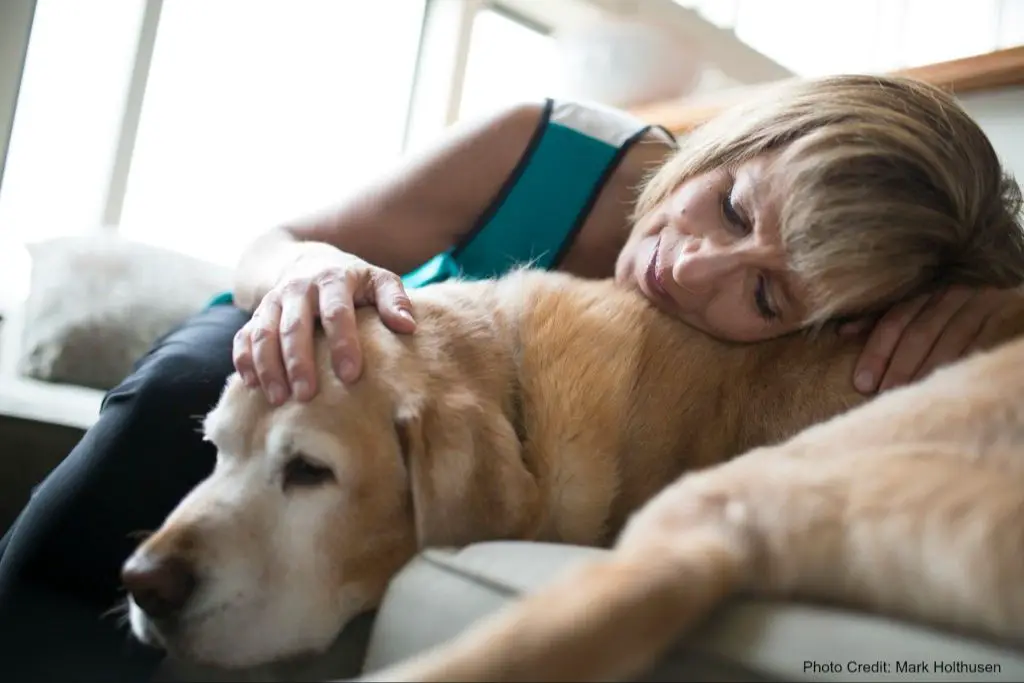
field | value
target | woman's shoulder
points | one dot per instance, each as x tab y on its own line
640	148
609	125
574	179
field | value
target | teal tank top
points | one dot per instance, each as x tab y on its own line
541	207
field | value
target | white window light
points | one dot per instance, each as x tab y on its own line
815	38
68	117
258	111
510	60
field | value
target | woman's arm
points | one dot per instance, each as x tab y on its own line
415	211
320	268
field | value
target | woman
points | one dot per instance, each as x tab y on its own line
844	198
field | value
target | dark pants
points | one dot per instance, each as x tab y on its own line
59	571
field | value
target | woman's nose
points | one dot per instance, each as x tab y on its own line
699	266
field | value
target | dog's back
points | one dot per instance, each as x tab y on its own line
909	506
613	399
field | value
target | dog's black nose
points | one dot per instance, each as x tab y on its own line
160	586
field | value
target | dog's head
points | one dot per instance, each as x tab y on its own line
312	508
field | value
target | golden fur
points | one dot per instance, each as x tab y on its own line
541	406
911	505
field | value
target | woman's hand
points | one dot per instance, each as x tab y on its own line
915	337
274	350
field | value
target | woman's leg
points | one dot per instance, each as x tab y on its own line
59	572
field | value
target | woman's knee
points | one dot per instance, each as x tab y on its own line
186	369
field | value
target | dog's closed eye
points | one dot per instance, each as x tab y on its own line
301	471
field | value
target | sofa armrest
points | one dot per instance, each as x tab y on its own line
441	593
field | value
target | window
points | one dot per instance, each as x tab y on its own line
938	30
257	111
1011	23
66	124
509	61
815	38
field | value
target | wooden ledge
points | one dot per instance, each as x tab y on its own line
990	71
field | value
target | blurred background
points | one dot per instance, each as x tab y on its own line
195	124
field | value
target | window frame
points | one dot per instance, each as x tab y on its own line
16	18
439	70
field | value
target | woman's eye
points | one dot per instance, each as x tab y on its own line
301	471
764	306
732	216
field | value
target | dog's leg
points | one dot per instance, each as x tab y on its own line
911	530
608	619
930	532
911	505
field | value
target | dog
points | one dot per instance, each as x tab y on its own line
911	505
535	406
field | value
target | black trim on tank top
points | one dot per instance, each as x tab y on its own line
588	207
510	182
669	134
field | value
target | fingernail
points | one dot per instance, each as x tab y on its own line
301	389
864	381
248	379
346	370
406	314
276	392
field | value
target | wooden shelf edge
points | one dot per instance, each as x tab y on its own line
989	71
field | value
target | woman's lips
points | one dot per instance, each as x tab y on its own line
653	279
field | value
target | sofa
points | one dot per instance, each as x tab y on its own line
93	304
75	314
444	591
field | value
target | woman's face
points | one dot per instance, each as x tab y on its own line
712	256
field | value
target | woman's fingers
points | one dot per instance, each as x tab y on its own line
882	344
338	317
918	336
276	350
266	351
241	356
298	321
922	334
393	303
961	332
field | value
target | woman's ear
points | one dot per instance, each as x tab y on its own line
466	473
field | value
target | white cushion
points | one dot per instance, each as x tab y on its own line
96	304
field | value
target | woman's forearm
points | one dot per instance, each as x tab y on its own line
407	216
262	264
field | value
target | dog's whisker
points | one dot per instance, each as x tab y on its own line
119	611
200	419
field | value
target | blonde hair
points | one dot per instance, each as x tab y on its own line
887	189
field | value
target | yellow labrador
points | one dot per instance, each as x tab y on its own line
911	505
537	406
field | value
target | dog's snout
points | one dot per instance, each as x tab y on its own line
159	585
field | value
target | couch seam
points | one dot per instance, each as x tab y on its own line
505	589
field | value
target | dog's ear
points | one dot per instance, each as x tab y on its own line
466	473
